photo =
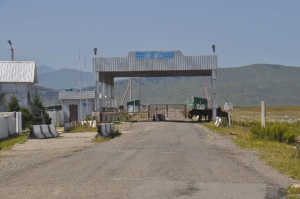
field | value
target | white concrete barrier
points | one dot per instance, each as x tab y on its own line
43	131
103	130
53	131
112	127
106	129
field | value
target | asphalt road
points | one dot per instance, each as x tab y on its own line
150	160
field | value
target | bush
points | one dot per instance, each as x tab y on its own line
27	118
13	105
290	137
273	132
88	117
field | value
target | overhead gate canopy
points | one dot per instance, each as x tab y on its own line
151	64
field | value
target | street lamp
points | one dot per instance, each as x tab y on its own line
12	50
214	48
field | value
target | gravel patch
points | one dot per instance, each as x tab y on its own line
40	151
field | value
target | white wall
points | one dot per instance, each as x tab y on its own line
10	123
19	90
57	117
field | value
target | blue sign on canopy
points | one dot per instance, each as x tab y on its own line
154	54
85	104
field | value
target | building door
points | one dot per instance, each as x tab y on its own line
73	108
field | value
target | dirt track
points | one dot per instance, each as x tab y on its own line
150	160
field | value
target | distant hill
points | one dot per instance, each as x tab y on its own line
44	69
48	96
243	86
65	78
246	86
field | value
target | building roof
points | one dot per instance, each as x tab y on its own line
18	72
155	64
65	95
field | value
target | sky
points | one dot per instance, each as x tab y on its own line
56	32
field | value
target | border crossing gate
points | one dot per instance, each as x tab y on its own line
170	111
151	64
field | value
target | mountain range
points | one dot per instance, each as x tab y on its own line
64	78
278	85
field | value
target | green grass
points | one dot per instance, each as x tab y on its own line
100	139
8	143
81	129
293	192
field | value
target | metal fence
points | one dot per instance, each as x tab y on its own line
10	123
90	123
170	111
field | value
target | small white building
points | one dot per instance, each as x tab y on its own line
15	79
76	104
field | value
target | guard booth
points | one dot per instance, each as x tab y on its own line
151	64
133	106
197	103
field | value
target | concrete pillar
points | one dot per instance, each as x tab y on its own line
97	91
263	113
213	94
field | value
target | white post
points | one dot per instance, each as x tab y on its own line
263	113
18	122
229	119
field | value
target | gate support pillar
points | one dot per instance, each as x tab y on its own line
97	94
213	94
167	110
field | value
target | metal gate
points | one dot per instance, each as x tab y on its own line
170	111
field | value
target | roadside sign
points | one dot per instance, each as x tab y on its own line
154	54
228	106
85	104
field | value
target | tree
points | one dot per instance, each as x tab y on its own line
37	105
27	118
13	105
39	110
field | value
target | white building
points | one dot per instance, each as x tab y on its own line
15	79
76	105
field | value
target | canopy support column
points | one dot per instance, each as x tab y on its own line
213	94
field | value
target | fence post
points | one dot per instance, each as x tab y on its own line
263	113
167	110
148	109
19	122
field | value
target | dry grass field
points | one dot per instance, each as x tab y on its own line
274	114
